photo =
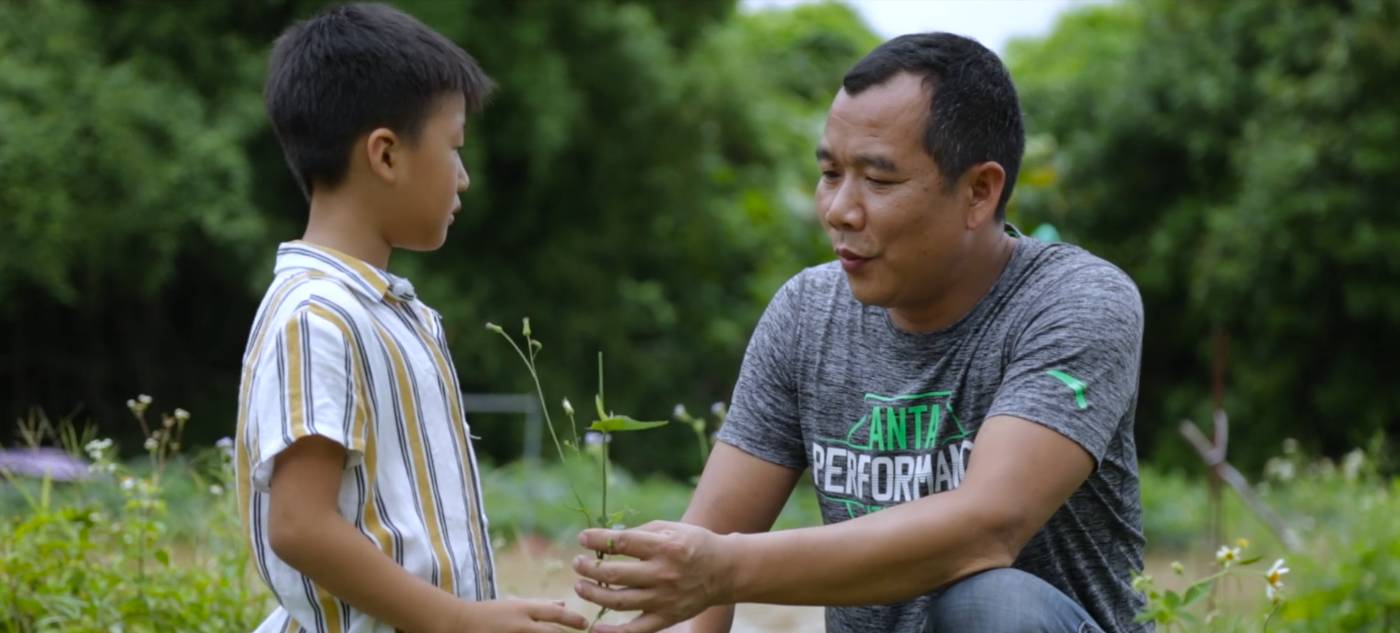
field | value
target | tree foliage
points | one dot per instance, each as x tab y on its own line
640	186
1238	160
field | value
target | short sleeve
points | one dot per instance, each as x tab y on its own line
309	382
1074	367
763	418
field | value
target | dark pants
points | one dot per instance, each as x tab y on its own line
1006	601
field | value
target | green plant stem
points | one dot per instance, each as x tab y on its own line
548	422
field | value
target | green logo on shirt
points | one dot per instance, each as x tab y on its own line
1074	384
907	447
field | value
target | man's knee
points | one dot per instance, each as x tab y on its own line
1005	601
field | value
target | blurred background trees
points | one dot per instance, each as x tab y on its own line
641	185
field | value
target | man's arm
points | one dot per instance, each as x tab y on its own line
307	531
737	493
1019	474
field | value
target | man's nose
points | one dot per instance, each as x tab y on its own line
844	211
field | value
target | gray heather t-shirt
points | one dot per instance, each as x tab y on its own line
883	416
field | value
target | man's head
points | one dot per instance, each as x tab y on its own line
365	88
974	115
918	158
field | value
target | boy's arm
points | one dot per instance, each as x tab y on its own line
307	531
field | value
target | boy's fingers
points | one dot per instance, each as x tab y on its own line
556	613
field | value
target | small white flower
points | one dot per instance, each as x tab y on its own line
225	443
719	409
1275	595
1351	464
679	412
1178	568
131	404
1275	574
151	443
594	438
167	422
128	483
182	415
216	490
1227	555
1280	469
568	408
143	399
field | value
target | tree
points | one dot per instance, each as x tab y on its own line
1237	160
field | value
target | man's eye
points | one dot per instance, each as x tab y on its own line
878	182
828	174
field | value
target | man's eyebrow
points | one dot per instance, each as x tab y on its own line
874	161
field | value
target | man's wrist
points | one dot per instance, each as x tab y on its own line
735	560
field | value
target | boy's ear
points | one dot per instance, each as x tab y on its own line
382	148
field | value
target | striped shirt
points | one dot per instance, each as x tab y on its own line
344	350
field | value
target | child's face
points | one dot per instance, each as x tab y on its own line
433	176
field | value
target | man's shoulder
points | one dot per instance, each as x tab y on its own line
814	281
1057	271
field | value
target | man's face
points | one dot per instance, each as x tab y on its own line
434	177
899	236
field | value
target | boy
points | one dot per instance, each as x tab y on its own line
357	481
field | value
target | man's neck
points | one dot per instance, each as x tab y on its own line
337	222
972	283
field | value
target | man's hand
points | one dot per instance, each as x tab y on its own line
680	571
515	616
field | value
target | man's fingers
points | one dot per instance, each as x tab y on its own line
615	599
623	572
644	623
555	612
625	542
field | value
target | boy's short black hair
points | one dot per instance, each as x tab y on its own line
354	68
974	114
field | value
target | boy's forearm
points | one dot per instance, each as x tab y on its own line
337	557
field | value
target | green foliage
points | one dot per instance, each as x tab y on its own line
638	177
1344	578
1237	159
101	555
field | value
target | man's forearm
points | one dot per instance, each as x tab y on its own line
891	555
340	559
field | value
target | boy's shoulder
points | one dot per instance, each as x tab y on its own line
325	301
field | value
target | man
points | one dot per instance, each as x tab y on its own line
973	385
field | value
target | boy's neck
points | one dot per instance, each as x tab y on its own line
337	222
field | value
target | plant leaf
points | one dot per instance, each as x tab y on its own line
1194	592
598	402
618	423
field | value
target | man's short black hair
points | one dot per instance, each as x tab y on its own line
974	114
354	68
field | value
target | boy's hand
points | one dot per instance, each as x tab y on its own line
515	616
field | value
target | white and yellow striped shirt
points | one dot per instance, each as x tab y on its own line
344	350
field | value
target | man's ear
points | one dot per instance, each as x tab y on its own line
982	185
382	150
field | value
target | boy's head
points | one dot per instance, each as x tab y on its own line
366	81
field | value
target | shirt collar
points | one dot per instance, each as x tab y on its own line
355	273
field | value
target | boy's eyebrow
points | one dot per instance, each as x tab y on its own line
874	161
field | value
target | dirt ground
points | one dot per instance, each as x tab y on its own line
540	570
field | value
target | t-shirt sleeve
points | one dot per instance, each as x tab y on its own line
763	418
1074	367
309	382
